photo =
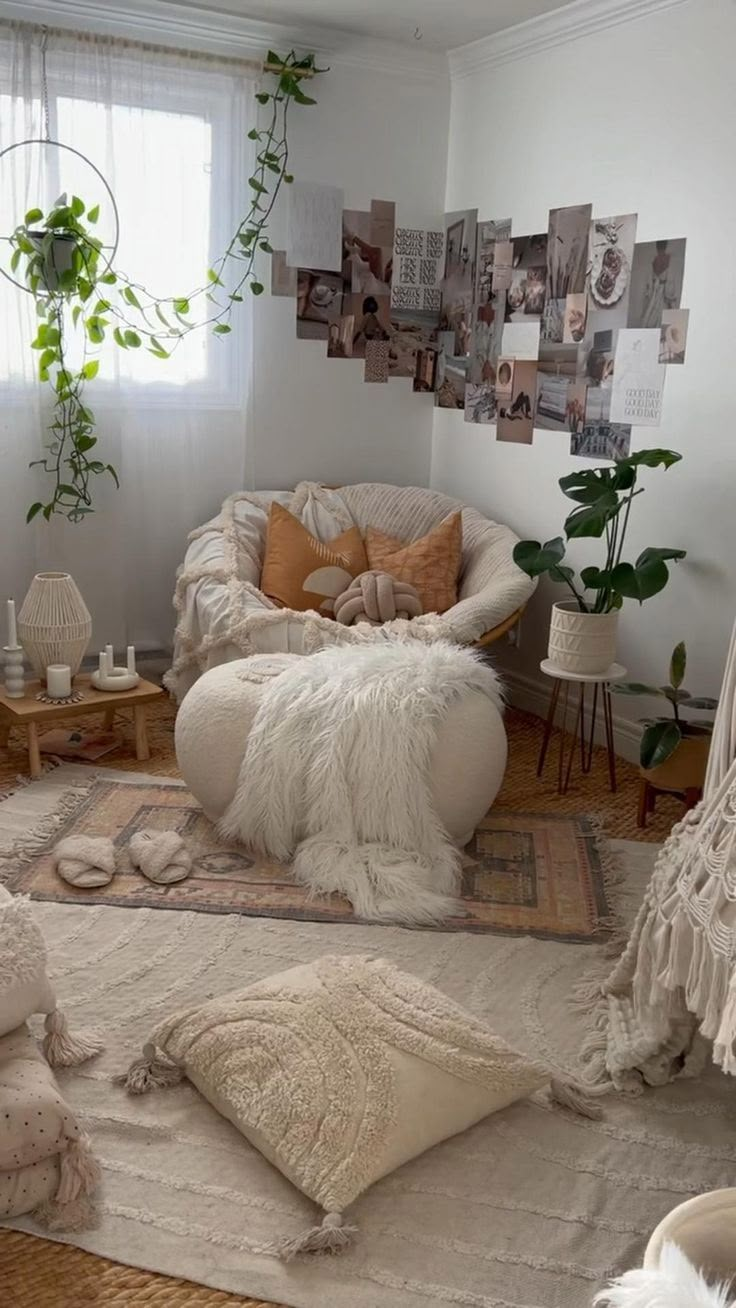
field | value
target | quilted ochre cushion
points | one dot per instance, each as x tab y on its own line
300	572
431	564
44	1157
338	1071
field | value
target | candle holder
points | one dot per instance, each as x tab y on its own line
15	682
108	676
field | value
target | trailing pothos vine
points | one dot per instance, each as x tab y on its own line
81	300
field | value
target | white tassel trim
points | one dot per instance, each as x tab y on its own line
330	1237
72	1207
61	1048
153	1071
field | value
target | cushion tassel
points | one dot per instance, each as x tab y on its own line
72	1208
330	1237
578	1099
153	1071
61	1048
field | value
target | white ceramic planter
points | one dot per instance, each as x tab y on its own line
705	1229
581	642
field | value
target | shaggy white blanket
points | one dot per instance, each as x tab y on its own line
336	775
675	1283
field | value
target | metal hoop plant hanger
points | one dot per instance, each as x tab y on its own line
46	140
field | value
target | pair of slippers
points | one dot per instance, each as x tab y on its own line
88	862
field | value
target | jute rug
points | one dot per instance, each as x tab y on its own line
531	1208
523	872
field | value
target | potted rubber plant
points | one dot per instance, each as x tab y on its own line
674	748
583	629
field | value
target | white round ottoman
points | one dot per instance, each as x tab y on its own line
215	718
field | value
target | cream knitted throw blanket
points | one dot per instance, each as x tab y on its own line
674	988
336	775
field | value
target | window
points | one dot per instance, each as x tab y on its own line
170	141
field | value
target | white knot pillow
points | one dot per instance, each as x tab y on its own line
339	1071
25	988
377	597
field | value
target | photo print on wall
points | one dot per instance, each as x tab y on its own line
568	330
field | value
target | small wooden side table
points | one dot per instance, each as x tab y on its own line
561	689
31	713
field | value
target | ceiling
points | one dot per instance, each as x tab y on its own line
443	24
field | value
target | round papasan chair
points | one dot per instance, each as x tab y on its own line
222	615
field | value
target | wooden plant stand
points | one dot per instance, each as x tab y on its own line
33	713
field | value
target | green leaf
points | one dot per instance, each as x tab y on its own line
15	260
33	216
591	520
161	315
91	369
77	206
595	579
213	277
651	459
234	296
675	696
655	552
288	178
47	511
253	134
95	332
222	329
704	702
263	97
534	558
52	335
300	97
635	688
75	313
659	743
257	186
93	214
60	217
109	278
109	468
130	297
273	58
118	338
256	288
678	663
132	338
64	489
34	509
48	357
266	245
85	442
181	305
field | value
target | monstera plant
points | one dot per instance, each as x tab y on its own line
603	498
81	300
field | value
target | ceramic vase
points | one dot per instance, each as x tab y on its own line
54	624
584	643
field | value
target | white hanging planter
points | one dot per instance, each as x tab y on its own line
59	257
54	624
581	642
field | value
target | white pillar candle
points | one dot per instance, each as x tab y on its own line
59	680
12	629
131	658
109	660
102	663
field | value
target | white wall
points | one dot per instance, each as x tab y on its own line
637	118
379	135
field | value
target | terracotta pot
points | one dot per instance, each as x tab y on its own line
683	770
581	642
705	1229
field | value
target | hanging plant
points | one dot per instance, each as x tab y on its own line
81	300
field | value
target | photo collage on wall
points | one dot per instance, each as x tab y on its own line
567	330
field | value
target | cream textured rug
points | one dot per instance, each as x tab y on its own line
532	1208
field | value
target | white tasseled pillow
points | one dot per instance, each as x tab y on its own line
339	1071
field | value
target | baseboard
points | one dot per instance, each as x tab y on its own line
532	695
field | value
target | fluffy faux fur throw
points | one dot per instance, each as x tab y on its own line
336	775
675	1283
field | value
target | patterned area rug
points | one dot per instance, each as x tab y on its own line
523	873
533	1207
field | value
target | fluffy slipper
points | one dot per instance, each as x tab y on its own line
160	855
85	861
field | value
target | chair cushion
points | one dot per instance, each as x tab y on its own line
431	564
301	572
340	1070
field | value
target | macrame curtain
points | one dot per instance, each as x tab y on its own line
675	984
168	130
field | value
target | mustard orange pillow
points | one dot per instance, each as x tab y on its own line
431	564
300	572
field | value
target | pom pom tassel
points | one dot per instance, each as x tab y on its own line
153	1071
330	1237
72	1208
61	1048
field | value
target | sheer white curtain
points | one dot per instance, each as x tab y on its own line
168	132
